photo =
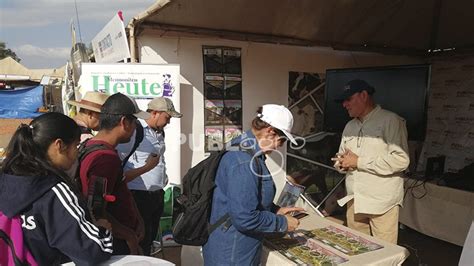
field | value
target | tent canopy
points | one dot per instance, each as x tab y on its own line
11	68
388	26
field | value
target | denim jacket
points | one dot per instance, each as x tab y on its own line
245	191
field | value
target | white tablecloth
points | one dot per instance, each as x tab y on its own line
443	212
131	260
390	254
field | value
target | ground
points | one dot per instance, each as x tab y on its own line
7	128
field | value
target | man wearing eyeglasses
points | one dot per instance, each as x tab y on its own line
373	154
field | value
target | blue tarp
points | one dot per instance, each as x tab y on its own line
21	103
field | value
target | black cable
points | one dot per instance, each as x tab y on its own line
416	183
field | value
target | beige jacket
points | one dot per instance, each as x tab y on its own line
380	141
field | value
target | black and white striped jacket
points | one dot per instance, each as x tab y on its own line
56	224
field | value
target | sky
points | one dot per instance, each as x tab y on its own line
39	31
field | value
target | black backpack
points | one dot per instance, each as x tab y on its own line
194	205
84	150
97	188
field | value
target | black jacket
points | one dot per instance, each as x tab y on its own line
56	224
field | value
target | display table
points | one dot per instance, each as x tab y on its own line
390	254
132	260
441	212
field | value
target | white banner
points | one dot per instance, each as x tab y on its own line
142	82
450	128
110	44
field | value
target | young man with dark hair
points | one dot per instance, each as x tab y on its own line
117	124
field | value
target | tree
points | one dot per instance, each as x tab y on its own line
5	52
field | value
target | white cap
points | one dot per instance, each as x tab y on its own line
279	117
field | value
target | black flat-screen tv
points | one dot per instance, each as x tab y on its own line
400	89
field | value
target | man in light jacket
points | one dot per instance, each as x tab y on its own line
373	153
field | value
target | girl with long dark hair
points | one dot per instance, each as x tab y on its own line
33	185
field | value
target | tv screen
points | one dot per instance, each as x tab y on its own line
400	89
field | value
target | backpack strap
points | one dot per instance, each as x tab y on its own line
9	243
83	151
219	222
85	130
139	134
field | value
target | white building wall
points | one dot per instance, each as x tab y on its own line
265	70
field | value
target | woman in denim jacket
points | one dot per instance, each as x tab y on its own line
245	191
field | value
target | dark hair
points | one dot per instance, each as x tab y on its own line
26	154
110	121
258	123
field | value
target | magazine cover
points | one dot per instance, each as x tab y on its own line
344	241
290	194
302	250
231	132
214	111
233	87
233	112
214	87
214	137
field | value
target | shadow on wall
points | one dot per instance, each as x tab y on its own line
187	107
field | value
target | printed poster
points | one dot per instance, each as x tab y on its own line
214	112
233	87
303	250
214	137
214	87
233	112
344	241
231	132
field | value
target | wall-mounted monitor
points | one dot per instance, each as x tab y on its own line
400	89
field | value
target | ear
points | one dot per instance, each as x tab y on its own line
123	122
58	145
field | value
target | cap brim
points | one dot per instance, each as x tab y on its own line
85	106
290	137
175	114
142	115
343	96
339	100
